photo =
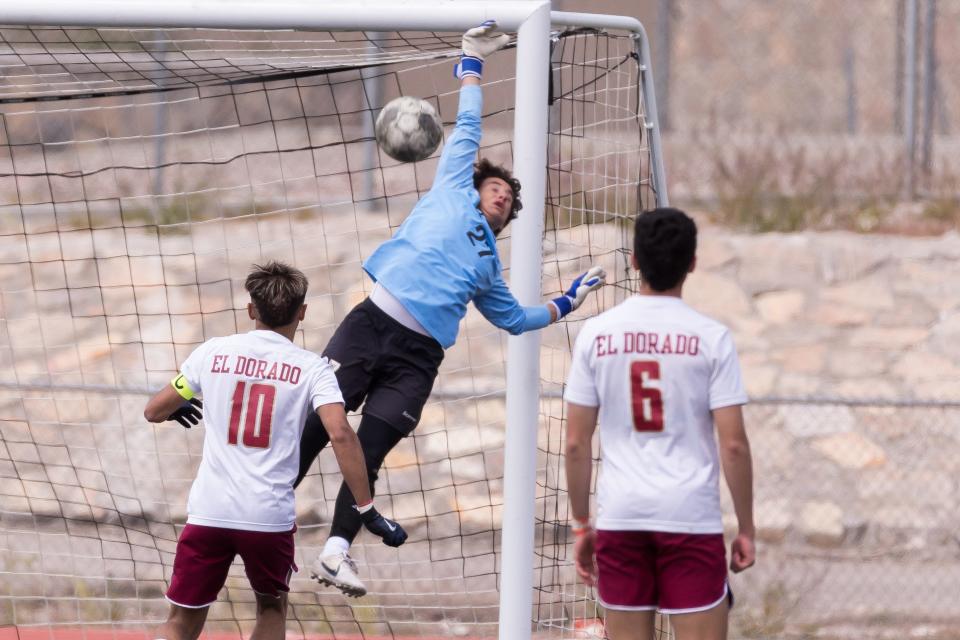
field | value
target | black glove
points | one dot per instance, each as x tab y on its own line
389	531
188	414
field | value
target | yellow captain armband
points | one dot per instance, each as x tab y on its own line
182	386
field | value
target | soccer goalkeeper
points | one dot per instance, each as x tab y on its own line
389	347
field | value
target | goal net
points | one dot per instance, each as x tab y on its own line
142	172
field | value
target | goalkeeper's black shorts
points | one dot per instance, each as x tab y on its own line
383	365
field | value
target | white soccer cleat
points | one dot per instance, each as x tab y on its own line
338	570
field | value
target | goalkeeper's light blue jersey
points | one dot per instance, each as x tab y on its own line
444	254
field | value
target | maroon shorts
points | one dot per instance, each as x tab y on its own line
672	572
204	555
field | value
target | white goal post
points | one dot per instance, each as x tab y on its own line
532	21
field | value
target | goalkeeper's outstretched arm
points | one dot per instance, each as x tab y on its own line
498	305
455	168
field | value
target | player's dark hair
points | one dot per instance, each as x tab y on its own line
664	243
486	169
277	290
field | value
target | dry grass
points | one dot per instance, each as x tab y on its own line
789	183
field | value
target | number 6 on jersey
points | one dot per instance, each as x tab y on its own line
646	401
258	408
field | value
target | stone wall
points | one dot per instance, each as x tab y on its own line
836	314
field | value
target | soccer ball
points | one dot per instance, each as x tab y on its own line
408	129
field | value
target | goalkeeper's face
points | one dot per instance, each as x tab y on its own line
496	200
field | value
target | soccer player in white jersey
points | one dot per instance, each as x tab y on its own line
660	377
259	387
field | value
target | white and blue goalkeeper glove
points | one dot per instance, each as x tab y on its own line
477	44
578	291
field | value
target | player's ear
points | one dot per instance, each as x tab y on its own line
252	311
693	264
302	312
635	264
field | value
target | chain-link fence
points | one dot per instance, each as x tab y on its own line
816	67
856	509
786	115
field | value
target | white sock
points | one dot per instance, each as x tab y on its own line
336	544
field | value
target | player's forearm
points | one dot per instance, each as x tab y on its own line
460	149
162	404
346	446
738	472
579	466
467	129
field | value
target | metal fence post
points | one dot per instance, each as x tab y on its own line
910	98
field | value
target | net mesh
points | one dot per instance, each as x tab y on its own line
141	173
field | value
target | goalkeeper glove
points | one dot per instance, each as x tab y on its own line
188	414
387	530
477	44
577	293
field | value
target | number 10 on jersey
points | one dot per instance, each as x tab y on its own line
255	408
647	401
